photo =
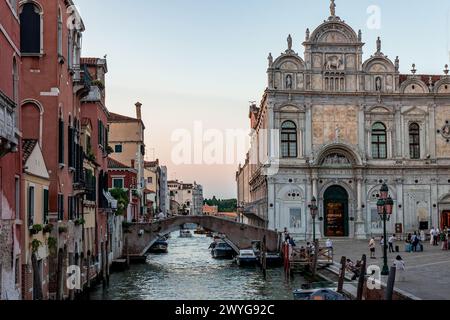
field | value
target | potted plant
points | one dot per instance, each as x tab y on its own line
35	244
52	244
62	229
80	221
48	228
35	229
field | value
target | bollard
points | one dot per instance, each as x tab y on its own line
342	275
362	278
390	284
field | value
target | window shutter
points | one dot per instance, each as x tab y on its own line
61	141
45	206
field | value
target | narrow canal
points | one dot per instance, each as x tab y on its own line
188	272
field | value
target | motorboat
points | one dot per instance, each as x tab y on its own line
273	259
246	258
319	291
318	294
200	231
222	250
160	246
185	233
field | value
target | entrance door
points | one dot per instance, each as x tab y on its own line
336	212
445	219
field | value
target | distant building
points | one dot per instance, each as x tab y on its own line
187	198
126	138
210	210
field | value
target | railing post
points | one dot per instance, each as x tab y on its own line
362	278
342	275
390	284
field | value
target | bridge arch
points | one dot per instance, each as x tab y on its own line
140	237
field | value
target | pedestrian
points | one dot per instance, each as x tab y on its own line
444	241
329	246
372	248
432	236
382	243
286	234
415	242
408	238
391	243
400	267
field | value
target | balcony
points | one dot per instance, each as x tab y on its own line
81	81
8	138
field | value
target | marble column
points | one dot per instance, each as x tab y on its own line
360	232
315	193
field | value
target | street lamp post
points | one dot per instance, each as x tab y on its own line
313	208
385	205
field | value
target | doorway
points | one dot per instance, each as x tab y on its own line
336	212
445	219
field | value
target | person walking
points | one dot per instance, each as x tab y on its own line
400	267
391	244
372	248
329	246
432	236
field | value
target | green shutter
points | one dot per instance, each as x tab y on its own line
45	206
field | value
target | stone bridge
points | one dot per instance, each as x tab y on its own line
140	237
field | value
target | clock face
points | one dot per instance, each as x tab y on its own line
446	131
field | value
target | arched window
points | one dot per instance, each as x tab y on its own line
414	141
289	140
30	29
379	141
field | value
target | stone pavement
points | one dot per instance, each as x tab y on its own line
427	273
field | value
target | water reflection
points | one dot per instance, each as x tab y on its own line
188	272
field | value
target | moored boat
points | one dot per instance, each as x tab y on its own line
185	233
246	258
221	250
160	246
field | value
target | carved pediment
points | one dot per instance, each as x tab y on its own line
414	111
291	108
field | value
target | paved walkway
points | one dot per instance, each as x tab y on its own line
427	273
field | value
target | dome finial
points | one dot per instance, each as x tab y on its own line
332	8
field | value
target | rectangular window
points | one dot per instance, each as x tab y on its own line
118	148
72	208
45	205
150	180
61	142
30	206
60	207
118	183
70	145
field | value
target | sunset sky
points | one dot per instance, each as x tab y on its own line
204	60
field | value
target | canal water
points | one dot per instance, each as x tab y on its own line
188	272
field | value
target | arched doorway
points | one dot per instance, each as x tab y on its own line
336	212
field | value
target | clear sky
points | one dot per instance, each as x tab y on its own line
204	60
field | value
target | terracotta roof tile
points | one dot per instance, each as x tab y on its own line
28	146
114	164
114	117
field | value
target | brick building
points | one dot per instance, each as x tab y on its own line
10	153
52	85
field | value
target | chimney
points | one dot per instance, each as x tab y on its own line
138	110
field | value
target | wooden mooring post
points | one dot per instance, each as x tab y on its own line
362	278
264	257
390	284
342	275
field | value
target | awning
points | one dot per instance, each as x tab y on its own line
112	202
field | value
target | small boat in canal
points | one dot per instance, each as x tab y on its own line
319	291
221	250
318	295
185	233
200	231
160	246
246	258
